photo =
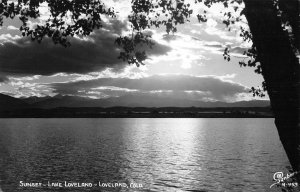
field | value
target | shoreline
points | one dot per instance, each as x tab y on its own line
139	112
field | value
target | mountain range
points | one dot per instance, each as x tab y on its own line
8	102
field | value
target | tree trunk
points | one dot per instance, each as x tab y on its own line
280	69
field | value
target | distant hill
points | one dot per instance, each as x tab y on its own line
11	103
134	101
8	102
32	100
128	107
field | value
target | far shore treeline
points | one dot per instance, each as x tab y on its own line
140	112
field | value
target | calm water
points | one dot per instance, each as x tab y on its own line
158	154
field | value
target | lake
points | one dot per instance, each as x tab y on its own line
140	154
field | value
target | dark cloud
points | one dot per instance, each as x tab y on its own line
95	53
3	79
207	86
239	50
29	58
214	45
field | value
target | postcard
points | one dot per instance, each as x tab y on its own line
149	95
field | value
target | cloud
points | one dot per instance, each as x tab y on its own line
196	87
97	52
3	79
10	27
238	51
214	44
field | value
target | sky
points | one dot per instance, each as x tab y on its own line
187	65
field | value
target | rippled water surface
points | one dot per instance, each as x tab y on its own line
160	154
